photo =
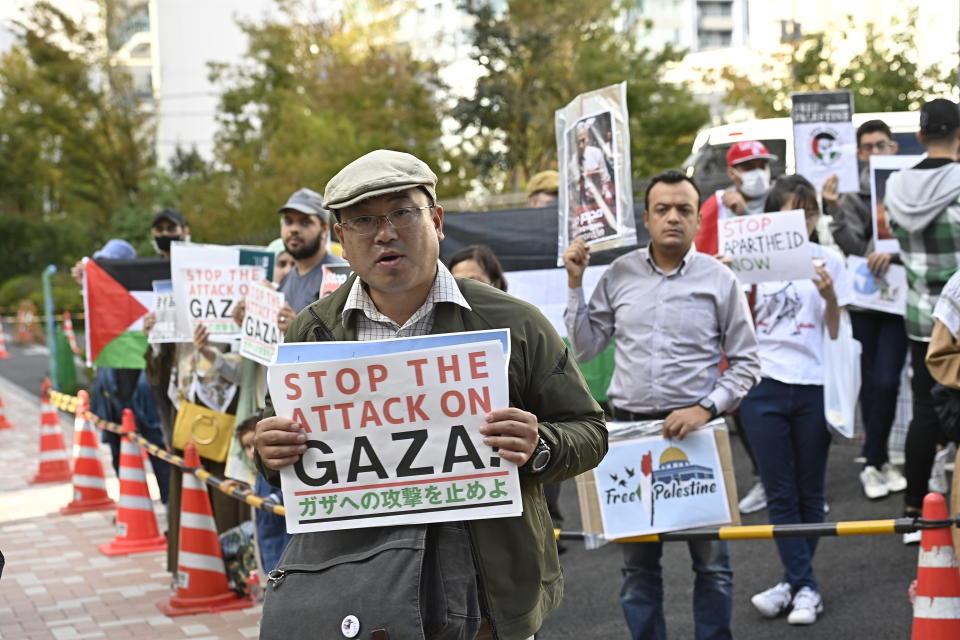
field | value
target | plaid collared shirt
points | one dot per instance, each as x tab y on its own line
930	256
373	325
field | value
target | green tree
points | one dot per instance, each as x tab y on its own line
883	76
75	142
310	96
536	56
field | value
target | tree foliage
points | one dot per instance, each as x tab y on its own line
536	56
883	76
311	95
74	142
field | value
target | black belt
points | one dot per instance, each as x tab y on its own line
629	416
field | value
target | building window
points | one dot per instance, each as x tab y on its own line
714	39
715	9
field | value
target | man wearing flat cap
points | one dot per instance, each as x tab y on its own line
491	578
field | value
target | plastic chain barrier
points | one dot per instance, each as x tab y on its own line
68	403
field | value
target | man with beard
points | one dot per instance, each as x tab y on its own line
304	228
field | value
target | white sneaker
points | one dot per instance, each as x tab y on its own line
773	601
938	475
755	500
826	507
807	604
912	538
893	478
874	483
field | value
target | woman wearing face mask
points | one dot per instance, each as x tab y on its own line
783	416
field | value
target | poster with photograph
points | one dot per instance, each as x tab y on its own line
824	138
881	293
881	168
393	438
595	201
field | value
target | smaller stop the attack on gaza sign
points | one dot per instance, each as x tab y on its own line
394	439
767	246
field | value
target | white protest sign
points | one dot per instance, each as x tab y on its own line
165	327
824	138
650	484
260	333
394	438
208	281
767	246
881	168
884	293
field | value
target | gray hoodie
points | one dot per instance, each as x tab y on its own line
916	197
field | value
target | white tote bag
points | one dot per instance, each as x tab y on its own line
841	377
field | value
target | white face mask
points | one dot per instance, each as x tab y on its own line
755	183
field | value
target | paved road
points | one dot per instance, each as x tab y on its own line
863	579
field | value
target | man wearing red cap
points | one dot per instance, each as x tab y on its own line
748	165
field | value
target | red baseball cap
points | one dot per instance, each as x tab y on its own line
746	151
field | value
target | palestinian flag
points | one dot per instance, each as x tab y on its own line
117	294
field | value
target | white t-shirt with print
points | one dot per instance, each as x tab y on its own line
790	326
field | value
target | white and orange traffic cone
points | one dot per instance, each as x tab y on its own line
936	610
137	530
89	482
4	424
68	332
54	464
201	579
3	342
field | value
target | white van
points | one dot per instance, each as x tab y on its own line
707	163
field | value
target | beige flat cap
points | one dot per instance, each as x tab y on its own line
546	181
376	173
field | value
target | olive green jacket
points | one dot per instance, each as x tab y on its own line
516	558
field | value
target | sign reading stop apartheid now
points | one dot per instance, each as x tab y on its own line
394	438
260	334
767	246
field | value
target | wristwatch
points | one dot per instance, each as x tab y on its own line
708	404
539	460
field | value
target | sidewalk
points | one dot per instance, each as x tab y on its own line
56	584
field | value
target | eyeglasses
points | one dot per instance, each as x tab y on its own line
399	219
878	147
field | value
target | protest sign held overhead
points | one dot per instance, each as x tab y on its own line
824	138
260	334
596	194
881	168
767	246
881	293
394	438
208	280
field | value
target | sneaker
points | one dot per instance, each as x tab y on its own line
893	478
938	475
826	507
874	483
773	601
807	604
912	538
755	500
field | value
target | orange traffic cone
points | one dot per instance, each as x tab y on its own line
89	483
201	579
68	332
54	465
3	342
936	611
3	416
136	522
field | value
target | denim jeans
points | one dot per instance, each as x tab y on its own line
642	594
924	433
789	435
884	341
